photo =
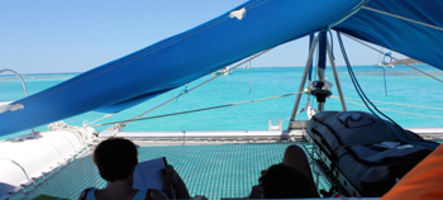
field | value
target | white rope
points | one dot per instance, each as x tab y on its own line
397	104
400	112
97	120
403	18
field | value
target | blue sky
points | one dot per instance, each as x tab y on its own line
74	36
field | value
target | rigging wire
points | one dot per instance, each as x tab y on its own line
184	91
198	110
250	81
362	95
357	86
384	80
352	75
402	112
123	123
391	110
397	104
367	101
382	53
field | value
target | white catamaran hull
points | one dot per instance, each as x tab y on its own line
24	160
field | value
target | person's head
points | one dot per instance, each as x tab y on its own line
116	159
281	181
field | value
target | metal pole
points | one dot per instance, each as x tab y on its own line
311	39
337	81
321	62
302	83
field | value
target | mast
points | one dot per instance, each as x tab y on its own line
319	88
321	98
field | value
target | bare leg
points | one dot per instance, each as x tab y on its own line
296	158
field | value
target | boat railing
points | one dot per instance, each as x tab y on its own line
8	106
205	137
19	77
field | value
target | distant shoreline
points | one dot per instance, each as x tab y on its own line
64	74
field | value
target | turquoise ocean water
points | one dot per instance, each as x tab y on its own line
404	86
219	171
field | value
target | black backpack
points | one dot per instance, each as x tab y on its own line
368	153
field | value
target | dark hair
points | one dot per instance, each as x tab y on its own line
115	158
281	181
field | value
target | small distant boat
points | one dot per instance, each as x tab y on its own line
386	60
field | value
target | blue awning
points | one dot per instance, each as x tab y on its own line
250	28
411	27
